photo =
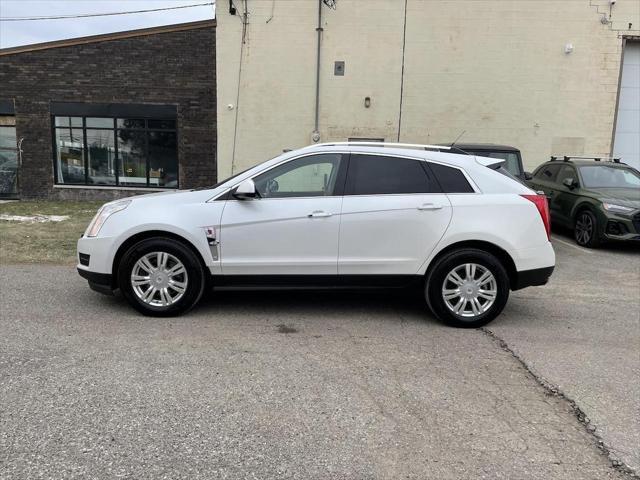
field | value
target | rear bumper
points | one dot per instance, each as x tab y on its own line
532	278
99	282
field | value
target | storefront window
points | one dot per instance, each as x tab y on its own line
8	156
129	152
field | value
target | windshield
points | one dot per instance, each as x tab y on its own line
211	187
604	176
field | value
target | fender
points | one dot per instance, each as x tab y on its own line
448	241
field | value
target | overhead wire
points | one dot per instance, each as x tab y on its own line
108	14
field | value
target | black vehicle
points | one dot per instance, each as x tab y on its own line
511	155
599	200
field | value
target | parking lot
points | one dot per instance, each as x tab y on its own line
323	385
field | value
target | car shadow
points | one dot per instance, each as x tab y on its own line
407	304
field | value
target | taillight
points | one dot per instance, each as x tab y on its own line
541	203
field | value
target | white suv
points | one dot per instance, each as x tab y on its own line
331	215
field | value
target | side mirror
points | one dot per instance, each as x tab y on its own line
528	176
246	190
570	183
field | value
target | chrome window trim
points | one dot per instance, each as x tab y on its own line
473	184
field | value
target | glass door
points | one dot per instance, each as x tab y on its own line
9	158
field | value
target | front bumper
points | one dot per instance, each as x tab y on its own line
99	282
618	227
532	278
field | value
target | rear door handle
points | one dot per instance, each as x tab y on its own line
430	206
319	214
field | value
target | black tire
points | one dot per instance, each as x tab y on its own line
586	229
195	276
437	280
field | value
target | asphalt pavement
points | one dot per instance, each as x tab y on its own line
317	385
581	334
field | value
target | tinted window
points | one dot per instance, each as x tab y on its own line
451	179
377	175
547	172
567	171
312	176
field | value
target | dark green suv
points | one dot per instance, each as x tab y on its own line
599	200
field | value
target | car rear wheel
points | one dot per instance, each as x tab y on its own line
586	229
161	277
467	288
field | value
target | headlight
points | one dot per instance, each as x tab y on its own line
610	207
105	212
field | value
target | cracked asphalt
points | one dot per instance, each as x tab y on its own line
581	333
319	385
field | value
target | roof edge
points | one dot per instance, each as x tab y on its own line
105	37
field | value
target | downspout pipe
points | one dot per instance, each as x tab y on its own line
316	132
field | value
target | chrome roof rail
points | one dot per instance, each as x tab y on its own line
566	158
381	144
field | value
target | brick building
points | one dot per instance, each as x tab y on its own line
109	115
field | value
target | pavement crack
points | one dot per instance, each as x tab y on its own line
554	391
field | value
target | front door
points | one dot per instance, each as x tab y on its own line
564	198
292	228
393	215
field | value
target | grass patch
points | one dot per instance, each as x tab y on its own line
51	242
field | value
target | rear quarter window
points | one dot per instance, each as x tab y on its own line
451	179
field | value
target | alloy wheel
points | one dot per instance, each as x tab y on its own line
469	290
159	279
584	229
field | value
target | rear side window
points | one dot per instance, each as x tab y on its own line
547	172
378	175
451	179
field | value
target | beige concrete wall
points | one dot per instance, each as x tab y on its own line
494	68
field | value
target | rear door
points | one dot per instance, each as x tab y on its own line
393	215
544	179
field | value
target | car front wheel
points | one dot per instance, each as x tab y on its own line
586	229
467	288
161	277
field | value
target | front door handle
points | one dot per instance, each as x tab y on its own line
430	206
319	214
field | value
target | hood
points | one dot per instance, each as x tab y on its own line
172	197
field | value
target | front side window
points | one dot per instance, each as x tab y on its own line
602	176
312	176
129	152
567	171
379	175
